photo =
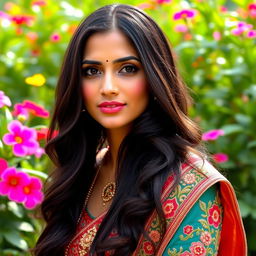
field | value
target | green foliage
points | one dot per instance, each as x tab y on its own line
219	70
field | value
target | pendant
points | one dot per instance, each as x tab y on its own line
108	192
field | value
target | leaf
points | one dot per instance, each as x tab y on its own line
232	128
251	144
245	208
35	172
202	205
14	238
25	226
15	209
243	119
204	223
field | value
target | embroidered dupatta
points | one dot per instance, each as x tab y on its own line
195	180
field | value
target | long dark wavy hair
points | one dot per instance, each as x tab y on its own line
158	143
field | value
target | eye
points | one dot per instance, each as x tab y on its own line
129	69
90	71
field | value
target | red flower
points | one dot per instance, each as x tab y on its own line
148	248
187	229
197	249
220	158
155	236
22	19
214	217
42	134
170	207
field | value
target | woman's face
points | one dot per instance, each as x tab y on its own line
114	84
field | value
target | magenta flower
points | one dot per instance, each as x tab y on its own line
22	138
217	35
55	37
21	19
181	28
29	107
163	1
39	3
212	134
184	14
12	184
33	193
252	10
251	34
241	28
4	100
3	166
220	158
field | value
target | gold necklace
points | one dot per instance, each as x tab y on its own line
108	192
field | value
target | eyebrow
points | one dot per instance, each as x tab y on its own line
94	62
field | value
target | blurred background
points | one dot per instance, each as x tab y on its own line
214	45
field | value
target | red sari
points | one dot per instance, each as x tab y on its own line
232	240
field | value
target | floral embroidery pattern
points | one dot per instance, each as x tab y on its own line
214	216
203	236
171	205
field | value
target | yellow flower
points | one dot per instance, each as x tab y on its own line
36	80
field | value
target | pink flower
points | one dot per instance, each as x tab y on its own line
184	14
181	28
214	217
212	134
4	100
33	193
38	152
251	34
31	107
220	158
223	8
217	35
22	138
145	6
197	249
39	3
189	178
186	253
187	229
206	238
3	166
55	37
252	10
163	1
241	28
32	36
4	15
12	183
170	206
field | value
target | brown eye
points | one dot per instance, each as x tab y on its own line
90	71
129	69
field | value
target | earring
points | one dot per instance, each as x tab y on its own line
83	110
155	98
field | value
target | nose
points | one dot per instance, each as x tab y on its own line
109	86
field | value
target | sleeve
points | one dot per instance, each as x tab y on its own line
199	232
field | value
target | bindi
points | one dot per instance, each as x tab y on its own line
106	60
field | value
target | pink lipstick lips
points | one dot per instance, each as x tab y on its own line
110	107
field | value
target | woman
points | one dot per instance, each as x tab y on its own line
129	177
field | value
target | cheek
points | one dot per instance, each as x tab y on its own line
88	91
139	88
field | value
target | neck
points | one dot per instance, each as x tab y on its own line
114	138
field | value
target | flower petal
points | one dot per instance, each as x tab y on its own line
19	150
15	127
8	139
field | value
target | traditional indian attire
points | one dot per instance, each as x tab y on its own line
202	216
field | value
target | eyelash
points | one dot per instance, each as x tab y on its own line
85	70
